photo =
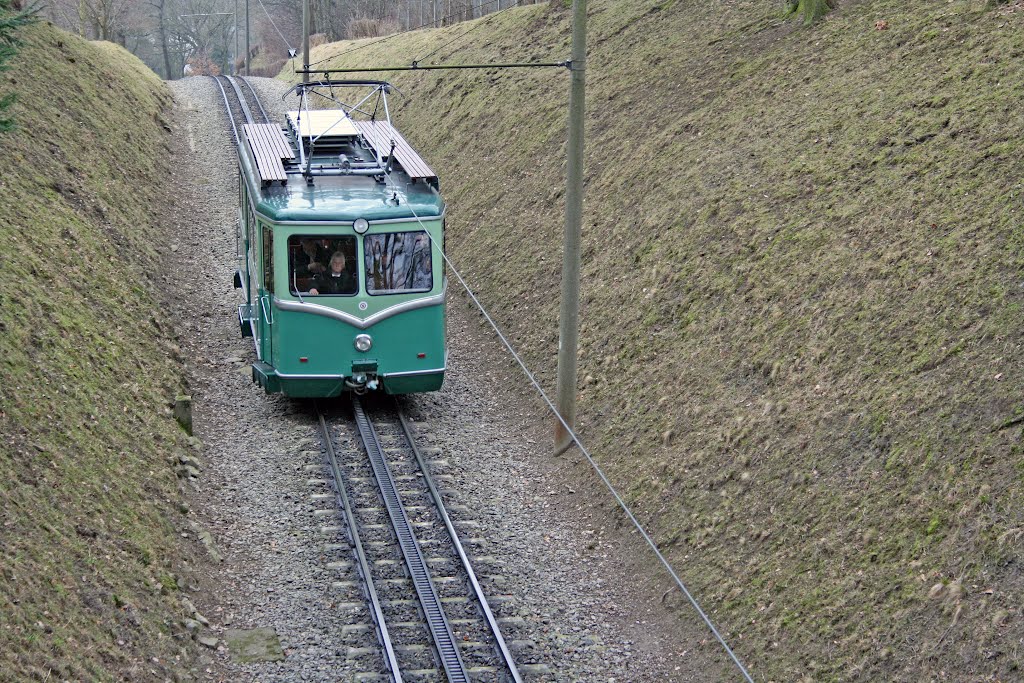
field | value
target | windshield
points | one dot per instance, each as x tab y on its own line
322	266
398	262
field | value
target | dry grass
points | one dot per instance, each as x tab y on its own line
803	255
87	489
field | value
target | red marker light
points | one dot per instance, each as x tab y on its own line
421	355
303	359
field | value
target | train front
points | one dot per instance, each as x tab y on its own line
358	308
352	293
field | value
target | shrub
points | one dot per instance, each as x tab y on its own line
12	17
365	27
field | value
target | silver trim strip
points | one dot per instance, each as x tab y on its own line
360	323
415	372
282	375
379	221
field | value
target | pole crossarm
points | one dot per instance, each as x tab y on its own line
440	67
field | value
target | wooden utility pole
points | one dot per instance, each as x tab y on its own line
305	41
248	53
569	313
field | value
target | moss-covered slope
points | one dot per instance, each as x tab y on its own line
87	492
803	277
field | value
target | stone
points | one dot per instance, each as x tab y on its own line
183	412
185	459
206	538
209	641
188	472
254	645
189	607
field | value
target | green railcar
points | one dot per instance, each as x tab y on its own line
341	268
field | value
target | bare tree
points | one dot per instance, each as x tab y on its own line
160	10
93	19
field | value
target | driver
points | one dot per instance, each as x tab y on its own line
336	280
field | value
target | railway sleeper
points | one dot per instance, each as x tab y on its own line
535	671
371	677
423	675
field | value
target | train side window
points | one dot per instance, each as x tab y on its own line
398	262
250	229
268	259
322	266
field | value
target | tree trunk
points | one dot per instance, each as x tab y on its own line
811	10
169	75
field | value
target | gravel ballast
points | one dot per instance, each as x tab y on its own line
592	601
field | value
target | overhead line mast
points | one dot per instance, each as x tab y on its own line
569	311
248	52
305	41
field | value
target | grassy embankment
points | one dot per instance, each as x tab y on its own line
87	488
803	277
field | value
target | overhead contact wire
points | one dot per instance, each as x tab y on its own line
463	35
271	19
590	459
408	30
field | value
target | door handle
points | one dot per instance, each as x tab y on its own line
267	315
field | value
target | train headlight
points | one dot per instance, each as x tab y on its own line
361	225
363	342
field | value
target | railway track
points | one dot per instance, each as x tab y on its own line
240	103
424	601
415	606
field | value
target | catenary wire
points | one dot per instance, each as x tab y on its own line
401	33
271	19
463	35
586	453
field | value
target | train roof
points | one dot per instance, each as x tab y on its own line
349	198
326	166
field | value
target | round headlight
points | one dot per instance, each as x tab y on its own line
361	225
363	342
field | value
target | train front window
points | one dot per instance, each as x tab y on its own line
398	262
322	266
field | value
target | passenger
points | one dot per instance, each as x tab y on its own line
313	258
337	280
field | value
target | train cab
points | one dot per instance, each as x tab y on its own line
342	274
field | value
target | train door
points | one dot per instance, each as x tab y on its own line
266	295
252	277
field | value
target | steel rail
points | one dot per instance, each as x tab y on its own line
227	107
391	660
492	623
255	97
430	602
241	99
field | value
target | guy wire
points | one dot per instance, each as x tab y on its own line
586	453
